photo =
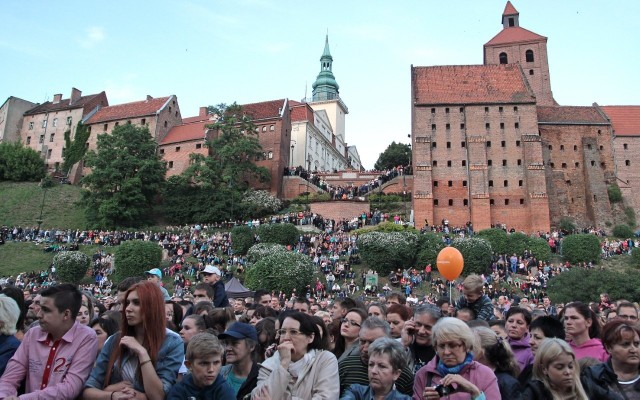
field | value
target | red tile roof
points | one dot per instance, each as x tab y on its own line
265	109
129	110
509	9
64	104
514	34
185	132
301	112
470	84
197	118
570	115
625	119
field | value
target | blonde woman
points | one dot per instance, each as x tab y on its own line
556	374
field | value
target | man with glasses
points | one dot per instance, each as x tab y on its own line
354	368
627	311
416	336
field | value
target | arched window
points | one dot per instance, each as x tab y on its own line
503	58
528	55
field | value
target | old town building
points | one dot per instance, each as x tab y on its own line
11	118
492	147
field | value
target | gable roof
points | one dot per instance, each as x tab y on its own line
64	104
625	119
514	34
470	84
301	112
509	9
186	132
265	110
572	115
129	110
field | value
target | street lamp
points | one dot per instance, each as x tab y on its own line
293	145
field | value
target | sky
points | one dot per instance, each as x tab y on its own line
246	51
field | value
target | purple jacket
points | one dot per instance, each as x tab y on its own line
522	351
591	348
476	373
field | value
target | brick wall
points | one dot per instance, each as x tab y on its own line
627	154
338	210
294	186
178	160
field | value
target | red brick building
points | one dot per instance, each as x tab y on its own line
492	146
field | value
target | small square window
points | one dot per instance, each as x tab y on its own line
577	164
55	122
28	139
530	72
198	145
435	202
550	147
575	148
489	163
501	125
625	146
264	129
464	163
490	183
517	125
31	128
435	183
463	144
486	109
491	202
464	183
488	143
433	111
118	123
506	202
433	127
450	183
41	139
519	162
49	153
435	163
170	164
521	201
627	163
503	143
161	151
448	145
465	202
500	109
561	147
434	145
447	126
272	128
504	163
564	165
520	183
450	202
461	109
446	110
461	126
449	163
517	143
69	120
487	125
177	148
505	183
104	127
515	108
143	121
51	137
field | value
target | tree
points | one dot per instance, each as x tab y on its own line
396	154
126	175
384	252
241	239
582	247
75	149
429	245
477	254
498	238
281	270
284	234
623	231
134	257
19	163
71	266
579	284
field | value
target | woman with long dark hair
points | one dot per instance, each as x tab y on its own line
582	325
144	357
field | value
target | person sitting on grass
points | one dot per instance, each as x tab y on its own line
204	381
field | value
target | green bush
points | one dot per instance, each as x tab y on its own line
71	266
19	163
477	254
241	239
539	248
631	216
582	247
498	238
281	270
584	285
260	250
134	257
615	195
567	224
384	252
635	257
429	245
518	243
284	234
622	231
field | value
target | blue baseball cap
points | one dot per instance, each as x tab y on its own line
240	330
154	271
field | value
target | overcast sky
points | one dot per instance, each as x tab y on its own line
211	52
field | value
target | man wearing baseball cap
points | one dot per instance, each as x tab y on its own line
155	275
241	372
213	277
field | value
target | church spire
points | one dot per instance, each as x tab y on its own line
325	87
510	16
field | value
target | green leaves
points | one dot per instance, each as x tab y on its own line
396	154
623	231
241	239
19	163
284	234
282	270
71	266
74	150
126	175
477	254
583	247
387	251
584	285
134	257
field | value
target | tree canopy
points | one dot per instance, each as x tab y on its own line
126	175
396	154
19	163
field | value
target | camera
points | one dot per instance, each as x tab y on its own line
444	390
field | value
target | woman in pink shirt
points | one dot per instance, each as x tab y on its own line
582	325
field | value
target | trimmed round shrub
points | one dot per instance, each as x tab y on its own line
623	231
284	234
241	239
498	238
384	252
477	254
518	243
258	203
582	247
71	266
429	245
260	250
615	194
584	285
134	257
281	270
539	248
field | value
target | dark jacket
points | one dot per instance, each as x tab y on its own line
509	386
598	380
535	390
483	307
8	346
248	385
220	297
186	389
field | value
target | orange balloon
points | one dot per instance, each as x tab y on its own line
450	263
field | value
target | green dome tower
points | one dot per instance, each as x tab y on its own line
325	87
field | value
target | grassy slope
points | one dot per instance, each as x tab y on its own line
16	257
20	205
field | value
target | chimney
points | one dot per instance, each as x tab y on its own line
57	98
203	112
149	98
75	95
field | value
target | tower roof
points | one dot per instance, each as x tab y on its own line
514	34
325	87
326	53
509	9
